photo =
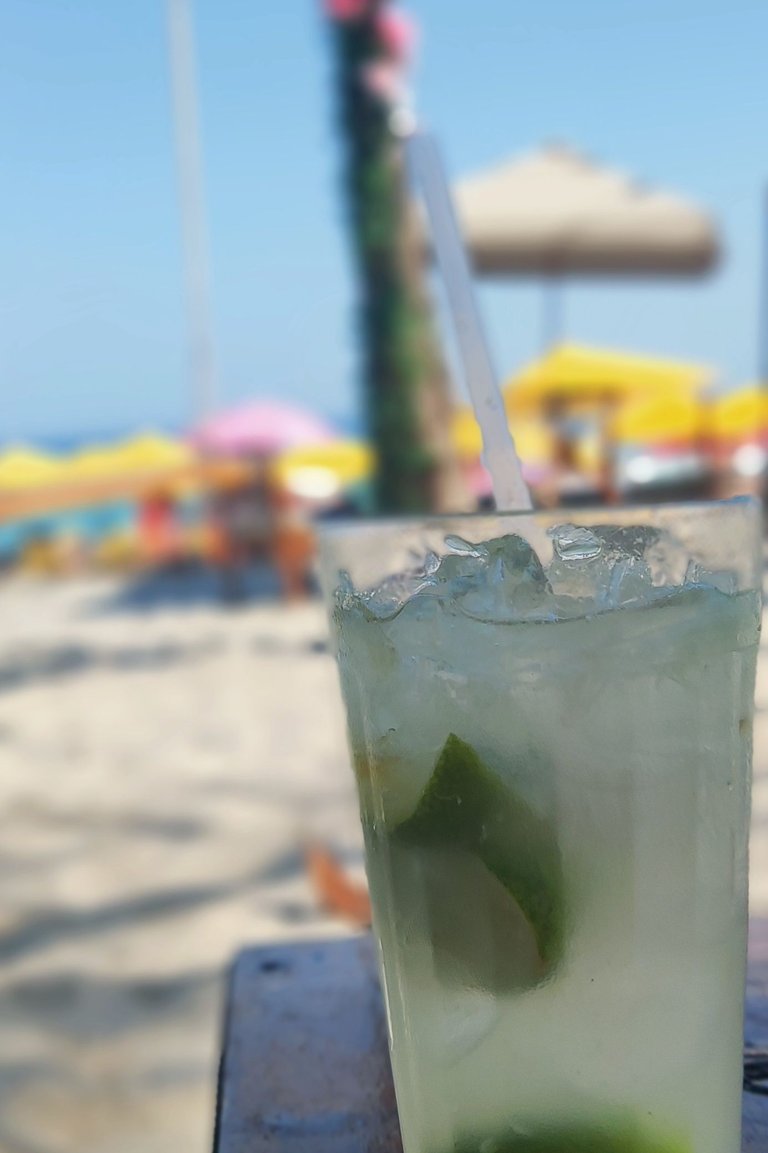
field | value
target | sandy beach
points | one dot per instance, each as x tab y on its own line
163	760
161	765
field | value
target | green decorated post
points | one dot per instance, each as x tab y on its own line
406	392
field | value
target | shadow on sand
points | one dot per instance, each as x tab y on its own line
33	665
85	1007
45	927
190	587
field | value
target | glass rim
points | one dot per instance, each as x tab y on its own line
347	526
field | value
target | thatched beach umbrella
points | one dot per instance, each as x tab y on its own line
557	212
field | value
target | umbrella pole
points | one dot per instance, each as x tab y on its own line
552	313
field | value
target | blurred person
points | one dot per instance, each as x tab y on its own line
293	545
242	526
158	528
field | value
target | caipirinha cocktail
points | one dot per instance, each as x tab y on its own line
553	769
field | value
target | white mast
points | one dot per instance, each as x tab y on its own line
191	202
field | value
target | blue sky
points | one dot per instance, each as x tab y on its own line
92	331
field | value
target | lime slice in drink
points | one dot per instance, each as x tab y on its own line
612	1137
484	847
477	936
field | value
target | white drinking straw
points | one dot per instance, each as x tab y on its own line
499	456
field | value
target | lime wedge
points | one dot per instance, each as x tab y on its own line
628	1137
466	809
478	937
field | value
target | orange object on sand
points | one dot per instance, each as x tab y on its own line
334	889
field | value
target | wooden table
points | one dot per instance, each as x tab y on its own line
305	1067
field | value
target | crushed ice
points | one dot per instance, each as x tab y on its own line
592	570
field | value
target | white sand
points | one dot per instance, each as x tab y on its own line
159	770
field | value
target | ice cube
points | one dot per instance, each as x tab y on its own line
387	599
457	544
466	1021
724	582
600	567
515	585
629	583
574	543
431	563
634	540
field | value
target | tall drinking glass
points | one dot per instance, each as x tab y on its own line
550	721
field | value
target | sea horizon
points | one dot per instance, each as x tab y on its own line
63	443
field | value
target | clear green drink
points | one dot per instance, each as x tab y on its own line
552	748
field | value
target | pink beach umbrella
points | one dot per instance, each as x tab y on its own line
261	428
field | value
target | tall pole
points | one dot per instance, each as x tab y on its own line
762	315
762	332
189	165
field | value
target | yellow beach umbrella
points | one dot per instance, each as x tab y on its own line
575	374
123	471
533	439
737	415
90	463
658	419
24	468
324	469
145	453
149	451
